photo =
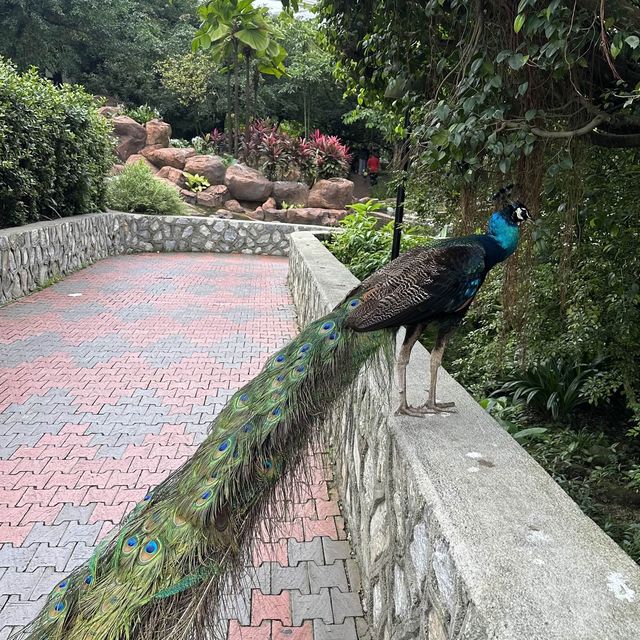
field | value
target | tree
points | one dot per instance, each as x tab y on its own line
109	47
240	35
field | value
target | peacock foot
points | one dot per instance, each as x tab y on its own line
437	407
407	410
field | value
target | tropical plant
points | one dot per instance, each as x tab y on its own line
239	37
143	113
332	157
551	386
363	246
55	149
196	182
137	190
509	417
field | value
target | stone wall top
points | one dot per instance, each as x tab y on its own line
460	533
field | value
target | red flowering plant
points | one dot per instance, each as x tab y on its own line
332	156
282	157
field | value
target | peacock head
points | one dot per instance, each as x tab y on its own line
510	209
516	213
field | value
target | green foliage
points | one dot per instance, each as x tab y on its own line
143	113
491	79
55	149
363	246
510	415
109	47
551	386
196	182
600	476
137	190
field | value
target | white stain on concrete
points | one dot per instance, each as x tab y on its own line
621	590
473	469
476	455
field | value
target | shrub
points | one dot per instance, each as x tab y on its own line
143	114
137	190
551	386
282	157
55	149
362	246
332	157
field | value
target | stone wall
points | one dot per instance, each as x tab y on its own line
33	255
459	532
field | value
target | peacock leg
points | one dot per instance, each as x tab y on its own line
411	336
431	406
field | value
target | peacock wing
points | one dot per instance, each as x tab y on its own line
421	283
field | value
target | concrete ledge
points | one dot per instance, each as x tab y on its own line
459	532
33	255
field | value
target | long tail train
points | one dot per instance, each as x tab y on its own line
159	575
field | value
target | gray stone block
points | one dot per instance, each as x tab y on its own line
327	575
70	512
344	631
335	550
345	605
290	578
76	532
305	551
311	607
48	556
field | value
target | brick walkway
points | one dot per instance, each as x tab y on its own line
108	381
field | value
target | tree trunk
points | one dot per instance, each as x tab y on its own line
229	133
516	298
575	195
247	98
236	99
304	113
469	209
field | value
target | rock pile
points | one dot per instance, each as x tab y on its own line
235	190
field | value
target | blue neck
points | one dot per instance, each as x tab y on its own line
505	232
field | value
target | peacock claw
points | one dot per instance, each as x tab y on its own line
437	407
407	410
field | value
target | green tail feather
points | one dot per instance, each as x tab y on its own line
160	572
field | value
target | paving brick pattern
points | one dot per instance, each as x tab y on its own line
108	381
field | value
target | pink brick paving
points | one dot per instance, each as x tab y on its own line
108	381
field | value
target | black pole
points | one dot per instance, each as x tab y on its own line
397	225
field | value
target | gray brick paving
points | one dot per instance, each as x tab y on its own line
289	578
335	550
310	607
345	631
345	605
301	551
327	575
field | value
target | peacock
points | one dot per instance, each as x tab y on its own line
160	574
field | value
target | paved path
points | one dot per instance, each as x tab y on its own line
108	381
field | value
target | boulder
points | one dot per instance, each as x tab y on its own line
210	167
269	204
291	193
188	196
158	132
137	157
169	157
245	183
132	136
335	193
173	175
109	112
234	205
305	215
214	197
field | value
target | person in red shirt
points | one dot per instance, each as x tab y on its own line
373	167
